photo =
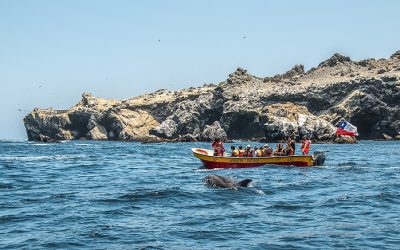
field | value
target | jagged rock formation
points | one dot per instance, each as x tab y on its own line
295	103
288	119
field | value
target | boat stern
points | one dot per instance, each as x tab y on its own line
319	158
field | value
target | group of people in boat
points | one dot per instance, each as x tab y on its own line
264	151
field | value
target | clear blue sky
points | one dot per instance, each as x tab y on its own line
52	51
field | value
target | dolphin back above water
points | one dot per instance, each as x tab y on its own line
224	182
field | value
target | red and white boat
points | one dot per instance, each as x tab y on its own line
210	161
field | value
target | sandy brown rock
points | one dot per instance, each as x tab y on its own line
387	137
131	124
97	133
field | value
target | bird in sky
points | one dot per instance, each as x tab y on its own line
243	37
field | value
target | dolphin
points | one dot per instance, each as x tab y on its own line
214	180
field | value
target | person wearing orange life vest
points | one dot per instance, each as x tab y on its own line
248	152
218	147
241	151
305	146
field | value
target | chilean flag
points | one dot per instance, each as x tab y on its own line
346	128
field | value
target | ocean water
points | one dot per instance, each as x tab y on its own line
122	195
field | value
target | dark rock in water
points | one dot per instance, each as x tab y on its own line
296	104
387	137
345	139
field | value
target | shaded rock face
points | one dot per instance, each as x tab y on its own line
49	124
373	108
295	103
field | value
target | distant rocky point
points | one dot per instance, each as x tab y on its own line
296	103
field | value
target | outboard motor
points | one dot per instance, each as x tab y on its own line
319	158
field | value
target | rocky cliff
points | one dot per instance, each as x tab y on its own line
296	103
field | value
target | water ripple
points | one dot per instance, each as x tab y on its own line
121	195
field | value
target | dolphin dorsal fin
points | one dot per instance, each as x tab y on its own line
244	183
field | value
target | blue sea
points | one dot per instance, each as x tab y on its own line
125	195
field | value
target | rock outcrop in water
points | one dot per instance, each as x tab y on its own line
295	103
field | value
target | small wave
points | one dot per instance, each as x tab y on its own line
392	168
347	164
387	196
287	206
148	194
40	157
64	141
63	245
205	169
62	195
158	194
9	218
6	186
260	192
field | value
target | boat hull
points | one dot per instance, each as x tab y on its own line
209	161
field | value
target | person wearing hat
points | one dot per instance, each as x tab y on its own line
266	151
248	151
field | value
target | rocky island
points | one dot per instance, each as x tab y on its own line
296	103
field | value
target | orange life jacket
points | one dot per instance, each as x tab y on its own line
305	147
249	153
